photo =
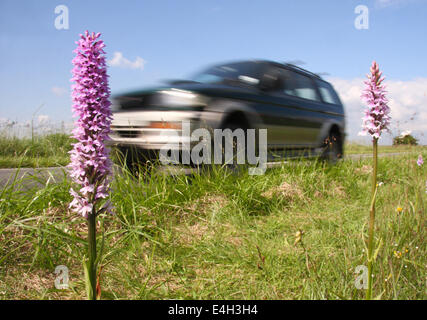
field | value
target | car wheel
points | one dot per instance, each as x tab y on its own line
234	166
332	149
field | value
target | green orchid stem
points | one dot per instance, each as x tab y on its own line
92	255
372	219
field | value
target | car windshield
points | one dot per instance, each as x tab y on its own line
240	72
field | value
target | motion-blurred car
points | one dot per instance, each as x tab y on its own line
300	110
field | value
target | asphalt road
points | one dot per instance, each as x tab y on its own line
40	176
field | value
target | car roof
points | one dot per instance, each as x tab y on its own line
285	65
276	64
293	67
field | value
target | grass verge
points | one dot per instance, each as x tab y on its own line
225	236
42	151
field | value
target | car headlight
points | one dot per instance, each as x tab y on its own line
177	97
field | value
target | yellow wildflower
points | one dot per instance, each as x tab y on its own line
298	237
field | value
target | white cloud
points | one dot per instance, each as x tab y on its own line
386	3
120	61
408	103
391	3
43	119
58	91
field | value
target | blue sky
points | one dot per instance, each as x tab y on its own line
176	38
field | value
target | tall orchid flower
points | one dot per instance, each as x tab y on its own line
90	163
376	119
377	114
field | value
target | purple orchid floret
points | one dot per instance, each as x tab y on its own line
377	114
420	161
90	162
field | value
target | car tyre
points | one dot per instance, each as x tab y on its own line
332	148
234	167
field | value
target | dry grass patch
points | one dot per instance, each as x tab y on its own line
208	202
286	190
188	234
365	169
337	190
230	234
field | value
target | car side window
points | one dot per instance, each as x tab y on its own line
305	87
288	85
327	93
296	84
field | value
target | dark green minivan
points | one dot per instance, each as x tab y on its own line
299	109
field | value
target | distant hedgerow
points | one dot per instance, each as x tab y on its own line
405	140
